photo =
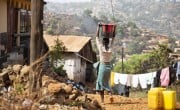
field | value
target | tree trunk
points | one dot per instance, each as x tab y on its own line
36	43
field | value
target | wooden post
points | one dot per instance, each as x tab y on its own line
18	28
9	26
35	43
36	29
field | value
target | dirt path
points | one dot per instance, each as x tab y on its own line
124	103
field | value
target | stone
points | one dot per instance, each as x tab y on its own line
25	70
43	107
27	103
44	91
54	87
75	91
46	80
72	96
54	107
60	99
68	89
17	68
75	95
35	106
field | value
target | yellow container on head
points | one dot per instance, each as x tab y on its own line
169	98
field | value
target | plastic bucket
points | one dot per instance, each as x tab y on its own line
155	98
169	98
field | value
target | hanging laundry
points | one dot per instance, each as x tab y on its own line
123	79
120	78
146	79
129	80
117	78
172	74
135	80
156	79
164	78
143	80
178	71
154	74
150	77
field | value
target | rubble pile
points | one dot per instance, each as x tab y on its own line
55	93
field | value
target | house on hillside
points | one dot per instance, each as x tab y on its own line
14	30
176	54
153	42
78	58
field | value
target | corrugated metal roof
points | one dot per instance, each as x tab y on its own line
72	43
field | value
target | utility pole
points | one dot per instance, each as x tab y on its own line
122	55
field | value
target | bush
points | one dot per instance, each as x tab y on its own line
60	71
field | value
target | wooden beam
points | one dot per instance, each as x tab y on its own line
21	4
10	3
36	29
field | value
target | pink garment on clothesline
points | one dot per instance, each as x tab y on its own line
164	77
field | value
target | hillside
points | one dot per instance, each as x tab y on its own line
161	17
139	23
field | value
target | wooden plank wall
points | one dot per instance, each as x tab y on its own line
12	21
3	19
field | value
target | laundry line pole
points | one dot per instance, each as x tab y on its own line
122	71
122	56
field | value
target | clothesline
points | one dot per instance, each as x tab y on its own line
163	77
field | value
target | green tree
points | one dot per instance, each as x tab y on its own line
56	56
160	56
133	65
49	31
141	63
57	50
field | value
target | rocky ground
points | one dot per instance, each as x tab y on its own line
55	93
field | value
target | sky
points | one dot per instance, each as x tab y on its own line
67	1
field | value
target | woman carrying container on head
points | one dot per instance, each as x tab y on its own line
105	52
